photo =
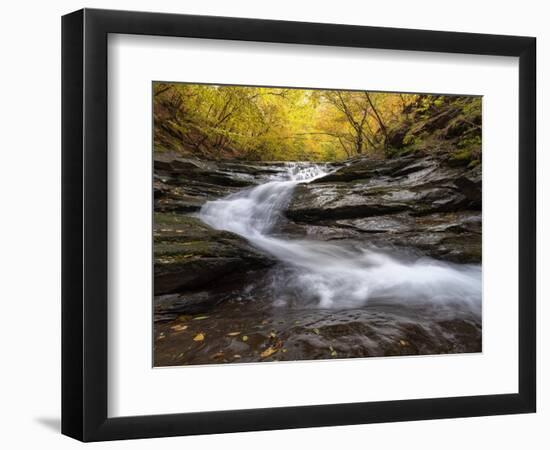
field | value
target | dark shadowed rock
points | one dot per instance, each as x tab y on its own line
190	254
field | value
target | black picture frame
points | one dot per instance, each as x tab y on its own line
84	224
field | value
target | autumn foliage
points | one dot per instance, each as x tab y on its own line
265	123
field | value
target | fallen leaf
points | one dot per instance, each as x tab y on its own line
236	356
234	333
284	350
184	318
403	343
268	352
333	353
272	334
245	338
316	330
200	317
217	355
178	327
264	322
199	337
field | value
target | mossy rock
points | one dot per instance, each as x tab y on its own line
460	158
189	254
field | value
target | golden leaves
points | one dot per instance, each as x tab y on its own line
199	337
268	352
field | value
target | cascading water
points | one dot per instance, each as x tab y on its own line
335	275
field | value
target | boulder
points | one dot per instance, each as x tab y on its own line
423	203
189	254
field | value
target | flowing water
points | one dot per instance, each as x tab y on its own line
323	300
335	275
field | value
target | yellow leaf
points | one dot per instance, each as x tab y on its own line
199	337
234	333
200	317
403	343
245	338
178	327
236	356
272	334
268	352
316	330
333	353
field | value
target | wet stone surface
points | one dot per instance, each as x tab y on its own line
244	331
221	299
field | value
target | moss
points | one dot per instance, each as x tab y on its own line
474	163
470	142
461	158
403	151
465	155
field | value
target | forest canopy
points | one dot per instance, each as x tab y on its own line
268	123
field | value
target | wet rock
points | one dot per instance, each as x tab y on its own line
190	254
281	334
419	202
183	185
312	203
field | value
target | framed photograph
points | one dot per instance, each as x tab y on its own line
273	224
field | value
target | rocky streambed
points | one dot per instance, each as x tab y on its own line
367	258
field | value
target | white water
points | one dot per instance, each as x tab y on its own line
332	275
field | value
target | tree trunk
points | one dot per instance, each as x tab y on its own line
359	143
378	119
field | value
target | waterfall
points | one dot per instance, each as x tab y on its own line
335	275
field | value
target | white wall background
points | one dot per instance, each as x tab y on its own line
30	234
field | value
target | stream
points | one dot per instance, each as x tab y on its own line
324	300
334	275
